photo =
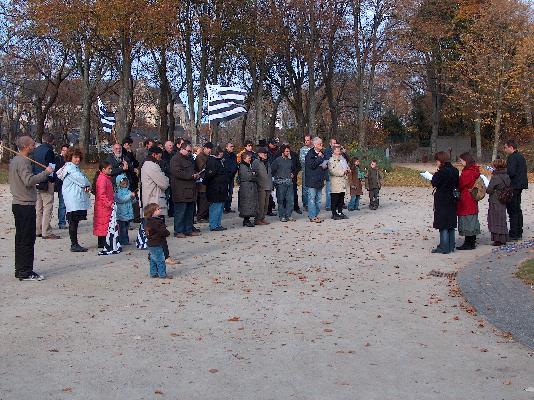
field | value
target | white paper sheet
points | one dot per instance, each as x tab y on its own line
427	175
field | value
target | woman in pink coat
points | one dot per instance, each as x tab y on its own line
104	197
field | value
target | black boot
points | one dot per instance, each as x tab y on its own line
469	243
73	233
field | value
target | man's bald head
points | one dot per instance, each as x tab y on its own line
25	142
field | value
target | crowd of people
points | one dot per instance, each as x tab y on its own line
456	198
195	184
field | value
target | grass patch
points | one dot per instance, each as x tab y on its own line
3	174
402	176
526	272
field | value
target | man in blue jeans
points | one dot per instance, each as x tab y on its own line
314	178
282	170
302	156
183	182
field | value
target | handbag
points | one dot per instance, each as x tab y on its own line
505	195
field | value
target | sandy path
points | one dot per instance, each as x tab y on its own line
341	310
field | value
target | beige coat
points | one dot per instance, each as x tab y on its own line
153	185
339	182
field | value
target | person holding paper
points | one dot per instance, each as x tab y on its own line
467	207
445	181
44	154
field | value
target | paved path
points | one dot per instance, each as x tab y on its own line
343	310
490	286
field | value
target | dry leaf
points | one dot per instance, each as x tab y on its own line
233	319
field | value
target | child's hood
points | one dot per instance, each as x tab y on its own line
119	178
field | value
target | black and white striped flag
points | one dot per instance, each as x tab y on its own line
142	241
225	103
107	119
112	245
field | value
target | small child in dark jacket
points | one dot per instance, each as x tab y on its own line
157	233
373	183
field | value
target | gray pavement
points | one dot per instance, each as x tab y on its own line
490	286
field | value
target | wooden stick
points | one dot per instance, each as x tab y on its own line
22	155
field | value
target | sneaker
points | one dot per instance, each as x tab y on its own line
33	277
179	235
154	276
343	216
283	219
165	277
202	221
193	233
195	229
298	211
290	219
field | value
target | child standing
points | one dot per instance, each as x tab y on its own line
373	183
157	233
124	199
104	198
356	190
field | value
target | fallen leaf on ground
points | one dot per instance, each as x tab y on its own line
213	370
233	319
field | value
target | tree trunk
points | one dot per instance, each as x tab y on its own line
189	84
478	137
124	110
202	85
172	119
272	119
312	102
40	118
528	108
259	103
497	132
164	94
85	126
244	129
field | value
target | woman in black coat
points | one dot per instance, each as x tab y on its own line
216	181
445	181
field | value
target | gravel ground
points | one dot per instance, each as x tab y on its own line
338	310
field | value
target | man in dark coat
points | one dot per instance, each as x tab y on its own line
200	164
44	154
183	178
132	174
517	171
229	160
314	180
165	164
216	179
445	180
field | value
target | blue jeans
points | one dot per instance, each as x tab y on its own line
314	202
123	232
157	262
304	192
447	241
284	200
215	215
327	189
183	217
354	203
61	210
228	202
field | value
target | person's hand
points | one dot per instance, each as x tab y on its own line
87	189
292	176
320	154
136	170
124	165
195	176
49	170
132	195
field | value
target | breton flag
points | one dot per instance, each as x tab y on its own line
142	241
225	103
112	245
107	119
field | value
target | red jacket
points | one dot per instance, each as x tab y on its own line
104	198
467	205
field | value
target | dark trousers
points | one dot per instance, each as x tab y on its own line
228	202
170	203
515	214
202	206
24	239
73	232
295	197
336	202
374	196
271	205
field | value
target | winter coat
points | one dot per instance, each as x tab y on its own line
43	154
60	162
356	187
182	182
123	198
216	180
104	198
516	166
154	183
156	231
74	183
263	174
499	180
200	164
374	179
230	163
497	221
339	182
445	181
314	173
467	205
282	168
248	191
